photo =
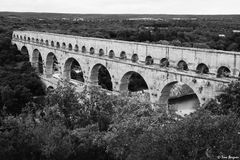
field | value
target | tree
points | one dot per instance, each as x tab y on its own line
227	102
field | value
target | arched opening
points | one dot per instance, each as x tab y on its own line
180	98
164	62
33	40
123	55
202	68
52	67
76	48
52	43
111	54
47	43
69	46
133	82
15	46
25	38
42	41
134	58
21	37
50	89
37	40
58	45
101	52
37	61
25	52
182	65
29	39
84	50
92	50
223	72
100	76
63	45
149	60
73	70
17	37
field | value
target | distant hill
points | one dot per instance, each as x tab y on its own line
116	16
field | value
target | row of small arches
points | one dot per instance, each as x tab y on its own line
164	62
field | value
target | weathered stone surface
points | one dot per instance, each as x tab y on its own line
156	76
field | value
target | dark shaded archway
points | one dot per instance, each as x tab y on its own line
101	52
182	65
84	50
24	51
101	76
73	70
37	61
223	72
133	82
202	68
179	97
134	58
50	89
52	43
58	45
164	62
123	55
149	60
52	66
92	50
76	48
69	46
63	45
111	54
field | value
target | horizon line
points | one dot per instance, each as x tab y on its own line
186	14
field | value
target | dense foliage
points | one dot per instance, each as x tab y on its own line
18	81
227	102
92	125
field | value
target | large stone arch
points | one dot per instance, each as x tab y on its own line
73	70
101	76
25	52
52	66
15	46
181	94
133	83
37	61
126	80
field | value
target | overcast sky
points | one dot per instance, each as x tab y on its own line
124	6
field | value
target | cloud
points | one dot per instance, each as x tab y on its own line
124	6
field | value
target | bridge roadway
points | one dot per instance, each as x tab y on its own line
159	80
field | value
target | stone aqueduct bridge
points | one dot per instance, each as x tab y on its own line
206	72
